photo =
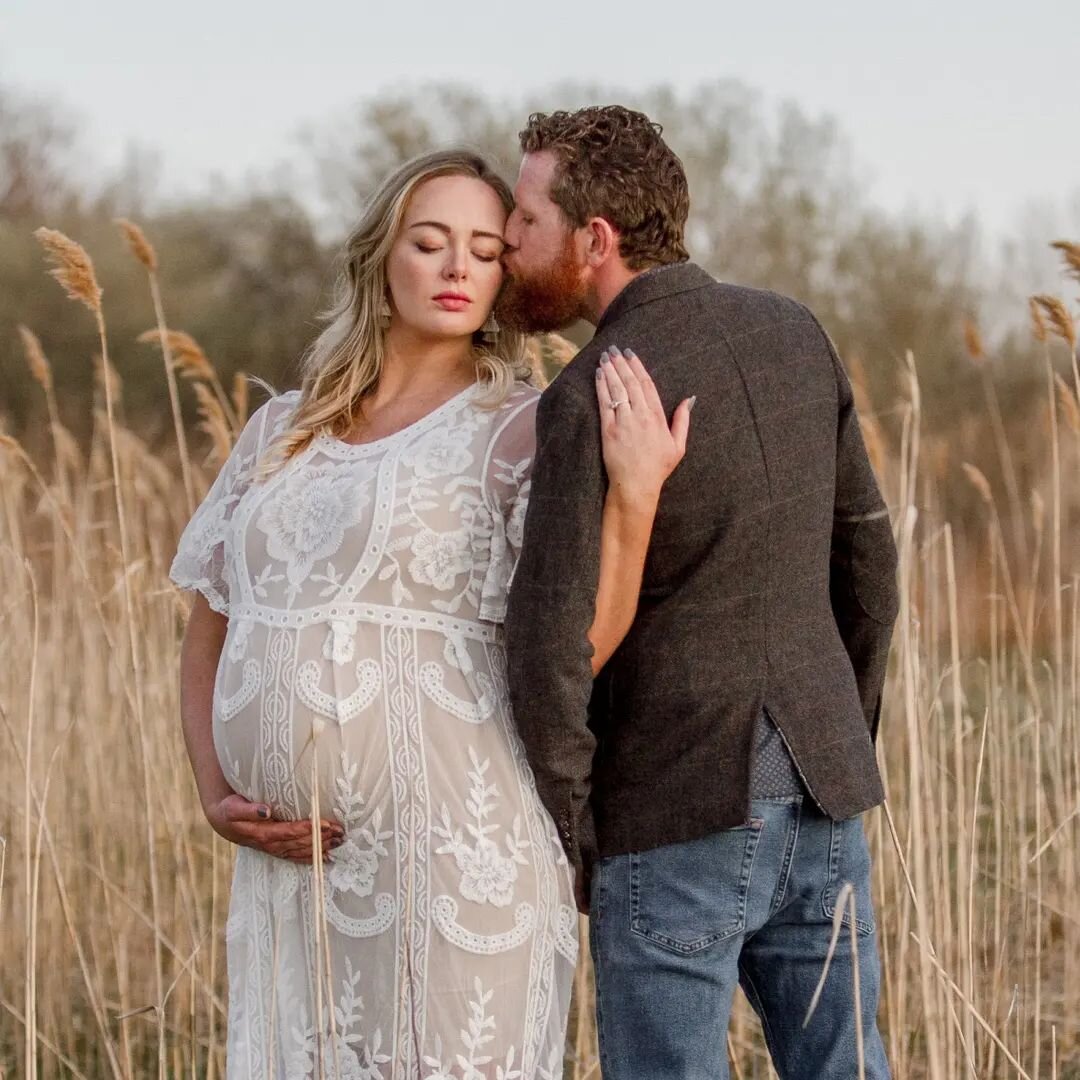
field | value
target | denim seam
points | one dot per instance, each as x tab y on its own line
785	867
830	892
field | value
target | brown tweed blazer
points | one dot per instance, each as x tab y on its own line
770	579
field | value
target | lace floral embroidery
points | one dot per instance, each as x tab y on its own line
487	875
306	518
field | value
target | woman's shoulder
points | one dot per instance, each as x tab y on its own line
521	395
279	408
284	402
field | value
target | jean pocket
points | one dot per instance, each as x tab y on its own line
688	896
849	863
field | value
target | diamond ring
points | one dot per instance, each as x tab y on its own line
621	401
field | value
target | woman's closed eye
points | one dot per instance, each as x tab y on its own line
481	255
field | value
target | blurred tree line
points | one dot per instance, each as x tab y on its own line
776	203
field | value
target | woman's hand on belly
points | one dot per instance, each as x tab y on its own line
248	824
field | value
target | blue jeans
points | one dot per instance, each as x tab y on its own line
673	930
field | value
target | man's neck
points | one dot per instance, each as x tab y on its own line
607	284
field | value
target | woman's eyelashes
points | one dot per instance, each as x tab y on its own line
482	256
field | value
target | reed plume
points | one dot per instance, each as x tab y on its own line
979	481
190	360
1038	323
39	366
973	341
187	355
213	421
1057	316
1070	253
41	370
73	268
140	247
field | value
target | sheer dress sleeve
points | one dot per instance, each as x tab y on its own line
506	486
202	551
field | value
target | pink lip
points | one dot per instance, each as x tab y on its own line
452	301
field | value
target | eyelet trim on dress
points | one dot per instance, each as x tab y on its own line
382	614
339	448
444	912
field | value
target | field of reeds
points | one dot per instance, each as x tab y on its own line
113	888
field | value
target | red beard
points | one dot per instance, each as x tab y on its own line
549	299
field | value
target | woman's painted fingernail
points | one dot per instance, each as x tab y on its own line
631	354
693	402
599	372
604	358
263	811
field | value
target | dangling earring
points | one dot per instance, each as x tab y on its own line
491	329
384	313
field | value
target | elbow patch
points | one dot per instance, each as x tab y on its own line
874	563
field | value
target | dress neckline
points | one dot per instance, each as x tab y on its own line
429	419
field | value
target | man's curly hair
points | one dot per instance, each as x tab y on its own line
612	163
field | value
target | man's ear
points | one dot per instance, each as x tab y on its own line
601	242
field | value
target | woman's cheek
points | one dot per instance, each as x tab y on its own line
409	282
492	281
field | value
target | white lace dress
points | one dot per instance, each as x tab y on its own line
365	586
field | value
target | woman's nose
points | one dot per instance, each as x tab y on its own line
455	266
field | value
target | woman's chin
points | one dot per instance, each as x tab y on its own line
443	326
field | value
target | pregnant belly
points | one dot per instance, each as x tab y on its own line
298	761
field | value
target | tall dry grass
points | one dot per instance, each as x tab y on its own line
112	886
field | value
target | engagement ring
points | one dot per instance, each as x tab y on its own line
616	404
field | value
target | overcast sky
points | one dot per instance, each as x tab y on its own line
948	106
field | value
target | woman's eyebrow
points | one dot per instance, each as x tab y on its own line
446	229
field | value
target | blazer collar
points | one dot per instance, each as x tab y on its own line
660	281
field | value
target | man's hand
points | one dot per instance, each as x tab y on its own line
249	824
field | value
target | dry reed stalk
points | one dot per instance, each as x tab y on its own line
75	272
1067	403
982	485
910	680
47	1043
966	963
581	996
144	252
97	1006
29	869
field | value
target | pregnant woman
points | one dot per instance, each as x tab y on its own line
344	661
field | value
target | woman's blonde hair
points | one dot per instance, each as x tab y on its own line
345	361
